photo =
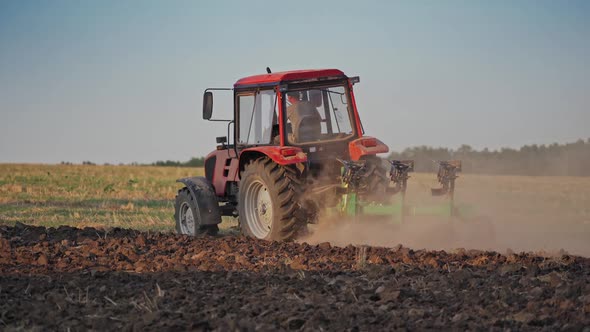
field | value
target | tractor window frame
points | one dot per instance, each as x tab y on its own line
321	85
255	93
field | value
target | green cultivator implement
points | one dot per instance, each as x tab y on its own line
357	201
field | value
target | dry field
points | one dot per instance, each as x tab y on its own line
528	213
86	195
112	271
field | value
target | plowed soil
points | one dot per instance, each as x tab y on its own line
80	279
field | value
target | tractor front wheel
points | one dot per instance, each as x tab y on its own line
187	213
269	201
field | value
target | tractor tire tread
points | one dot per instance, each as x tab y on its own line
287	187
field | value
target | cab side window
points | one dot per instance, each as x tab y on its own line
257	114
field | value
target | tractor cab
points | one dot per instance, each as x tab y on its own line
308	109
303	108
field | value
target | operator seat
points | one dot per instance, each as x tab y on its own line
309	128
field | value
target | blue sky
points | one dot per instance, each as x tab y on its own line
122	81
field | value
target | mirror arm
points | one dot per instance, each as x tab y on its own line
208	90
218	89
220	120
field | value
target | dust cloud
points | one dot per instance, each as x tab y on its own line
546	215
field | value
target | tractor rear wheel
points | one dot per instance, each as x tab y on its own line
269	201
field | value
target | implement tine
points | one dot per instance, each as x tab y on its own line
447	173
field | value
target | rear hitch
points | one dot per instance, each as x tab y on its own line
352	182
352	174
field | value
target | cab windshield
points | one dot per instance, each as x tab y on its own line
312	114
318	114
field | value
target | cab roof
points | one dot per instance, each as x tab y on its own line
288	76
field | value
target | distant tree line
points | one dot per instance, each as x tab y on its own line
571	159
194	162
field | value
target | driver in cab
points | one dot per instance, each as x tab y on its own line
305	119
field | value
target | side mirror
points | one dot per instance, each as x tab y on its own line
207	105
221	139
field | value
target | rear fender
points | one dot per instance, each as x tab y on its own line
204	194
221	167
365	146
282	155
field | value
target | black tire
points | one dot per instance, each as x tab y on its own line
268	202
187	207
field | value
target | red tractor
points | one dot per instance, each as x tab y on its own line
293	134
